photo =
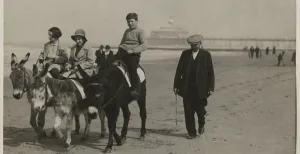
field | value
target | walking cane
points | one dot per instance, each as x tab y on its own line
176	111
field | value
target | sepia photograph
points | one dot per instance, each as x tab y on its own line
144	77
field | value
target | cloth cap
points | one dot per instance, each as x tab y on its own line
194	39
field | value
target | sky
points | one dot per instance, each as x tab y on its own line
104	20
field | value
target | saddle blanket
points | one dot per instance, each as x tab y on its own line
76	83
140	73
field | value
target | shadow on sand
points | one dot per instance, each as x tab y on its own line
15	137
164	132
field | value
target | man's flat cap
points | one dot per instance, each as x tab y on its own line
194	39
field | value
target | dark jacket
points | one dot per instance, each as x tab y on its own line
205	77
102	61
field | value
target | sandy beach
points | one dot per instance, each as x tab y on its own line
251	111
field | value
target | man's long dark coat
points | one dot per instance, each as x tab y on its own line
205	78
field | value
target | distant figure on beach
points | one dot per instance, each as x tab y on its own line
251	52
267	51
274	50
280	59
98	53
257	52
194	81
294	58
104	58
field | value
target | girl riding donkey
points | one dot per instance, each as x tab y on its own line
81	55
53	54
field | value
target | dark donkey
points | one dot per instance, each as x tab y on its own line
67	102
110	85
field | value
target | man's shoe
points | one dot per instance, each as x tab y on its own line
191	136
201	130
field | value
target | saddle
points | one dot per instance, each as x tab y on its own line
124	68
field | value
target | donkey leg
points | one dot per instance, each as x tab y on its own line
109	145
69	129
41	122
143	113
112	116
126	116
102	120
57	122
77	124
34	125
87	127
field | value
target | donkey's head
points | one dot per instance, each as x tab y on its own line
39	88
18	75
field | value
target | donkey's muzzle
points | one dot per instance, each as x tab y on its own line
17	96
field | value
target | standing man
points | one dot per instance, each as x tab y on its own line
294	58
132	45
251	52
280	59
194	81
257	52
98	54
274	50
105	57
267	51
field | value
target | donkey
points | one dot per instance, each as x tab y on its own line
67	102
21	79
110	85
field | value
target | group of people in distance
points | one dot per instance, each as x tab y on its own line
258	54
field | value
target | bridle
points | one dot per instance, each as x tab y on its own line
24	90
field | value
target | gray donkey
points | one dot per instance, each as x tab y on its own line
67	102
22	79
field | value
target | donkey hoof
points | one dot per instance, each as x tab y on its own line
142	138
102	135
66	145
83	138
53	133
41	135
36	141
44	134
107	150
77	131
123	140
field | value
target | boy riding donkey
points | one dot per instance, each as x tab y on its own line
132	45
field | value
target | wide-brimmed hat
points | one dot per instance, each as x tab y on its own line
79	32
195	39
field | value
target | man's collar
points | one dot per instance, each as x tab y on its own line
55	43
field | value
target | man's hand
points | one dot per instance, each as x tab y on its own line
68	67
130	51
95	65
175	91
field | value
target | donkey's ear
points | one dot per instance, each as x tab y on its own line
23	61
35	70
14	61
